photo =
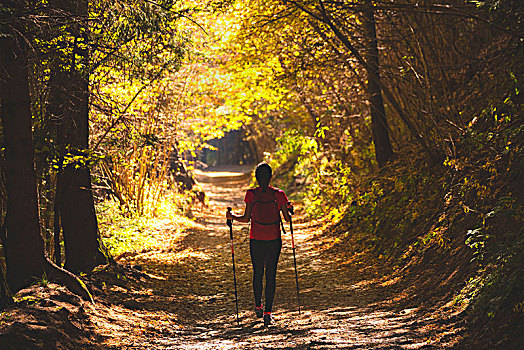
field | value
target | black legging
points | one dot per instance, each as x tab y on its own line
264	254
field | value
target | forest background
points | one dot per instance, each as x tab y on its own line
398	122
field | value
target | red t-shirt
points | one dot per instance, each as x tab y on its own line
265	232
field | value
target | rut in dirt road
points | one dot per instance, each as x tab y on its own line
339	307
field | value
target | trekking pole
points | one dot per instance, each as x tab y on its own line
294	257
230	224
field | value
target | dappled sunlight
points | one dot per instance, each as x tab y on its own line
173	257
342	307
178	294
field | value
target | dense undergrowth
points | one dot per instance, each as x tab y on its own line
131	232
452	233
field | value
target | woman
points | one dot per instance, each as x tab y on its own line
263	207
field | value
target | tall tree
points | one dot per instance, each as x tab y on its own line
69	104
25	246
327	15
25	253
383	150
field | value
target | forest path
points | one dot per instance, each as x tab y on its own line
189	295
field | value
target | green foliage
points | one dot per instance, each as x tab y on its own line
489	167
328	183
292	157
43	281
476	240
130	232
122	233
470	291
145	35
502	253
500	293
507	12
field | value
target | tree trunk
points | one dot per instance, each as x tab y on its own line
56	105
383	150
25	246
25	258
75	198
57	227
5	294
83	248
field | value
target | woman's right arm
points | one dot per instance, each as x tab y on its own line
242	218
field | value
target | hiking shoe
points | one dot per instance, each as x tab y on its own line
259	311
268	320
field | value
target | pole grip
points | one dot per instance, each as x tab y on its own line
229	222
291	210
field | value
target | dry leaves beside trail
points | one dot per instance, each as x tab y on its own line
183	298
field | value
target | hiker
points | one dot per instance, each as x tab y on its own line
263	207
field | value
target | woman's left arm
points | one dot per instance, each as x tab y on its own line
285	211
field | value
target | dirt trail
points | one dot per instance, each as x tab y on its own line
181	296
190	292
